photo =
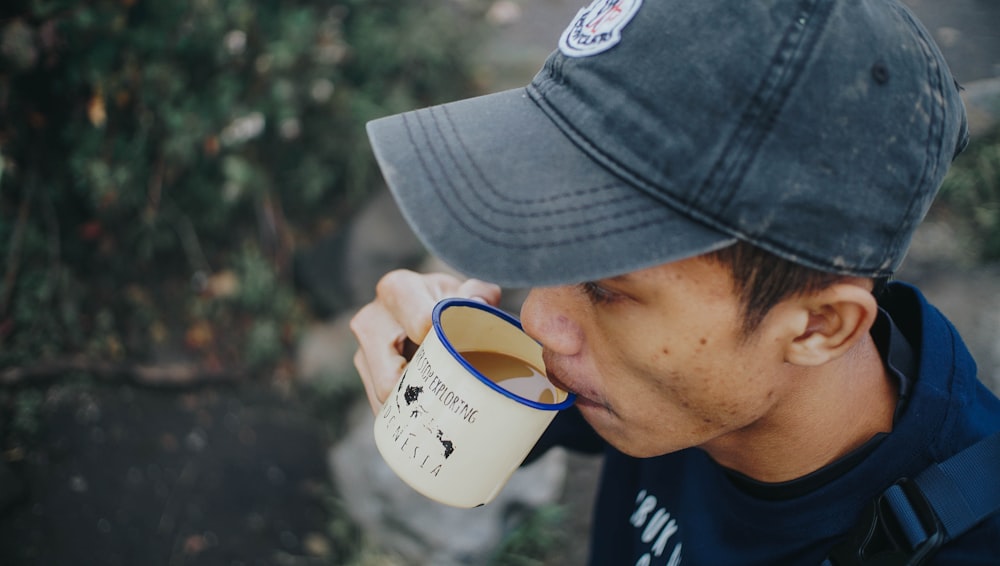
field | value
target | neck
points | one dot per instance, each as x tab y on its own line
830	411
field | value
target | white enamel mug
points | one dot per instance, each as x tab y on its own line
449	431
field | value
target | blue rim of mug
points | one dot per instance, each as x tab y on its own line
436	322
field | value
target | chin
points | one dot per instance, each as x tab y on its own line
615	433
643	451
628	440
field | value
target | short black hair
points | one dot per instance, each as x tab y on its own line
762	280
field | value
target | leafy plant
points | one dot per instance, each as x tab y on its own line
160	162
971	192
534	540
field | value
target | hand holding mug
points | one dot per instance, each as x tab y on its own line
469	406
398	318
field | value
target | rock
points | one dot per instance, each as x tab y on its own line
967	292
971	300
340	271
326	352
420	531
982	103
965	30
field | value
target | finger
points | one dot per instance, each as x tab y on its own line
362	366
379	359
410	298
477	289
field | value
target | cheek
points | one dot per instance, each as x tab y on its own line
737	400
700	368
710	385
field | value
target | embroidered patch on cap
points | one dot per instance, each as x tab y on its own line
597	27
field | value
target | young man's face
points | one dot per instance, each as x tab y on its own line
657	357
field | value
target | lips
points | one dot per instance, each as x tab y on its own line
559	383
581	399
584	397
587	403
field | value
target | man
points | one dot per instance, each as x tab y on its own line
708	199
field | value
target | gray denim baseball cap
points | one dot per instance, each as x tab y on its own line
818	130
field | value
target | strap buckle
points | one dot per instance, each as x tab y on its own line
898	528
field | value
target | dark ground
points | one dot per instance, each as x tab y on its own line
123	475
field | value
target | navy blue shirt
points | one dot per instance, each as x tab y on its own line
683	508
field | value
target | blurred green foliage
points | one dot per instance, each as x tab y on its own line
536	539
161	161
971	192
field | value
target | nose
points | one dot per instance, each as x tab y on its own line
545	316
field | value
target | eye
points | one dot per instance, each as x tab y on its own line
597	294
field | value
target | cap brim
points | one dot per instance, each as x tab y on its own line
496	190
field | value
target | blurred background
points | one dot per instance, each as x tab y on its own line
189	214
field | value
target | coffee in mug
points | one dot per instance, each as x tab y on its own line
514	375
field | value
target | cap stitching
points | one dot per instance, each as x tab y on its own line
767	102
605	160
763	110
551	212
430	176
479	172
537	92
509	245
774	98
934	123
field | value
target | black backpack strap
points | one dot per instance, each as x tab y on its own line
908	522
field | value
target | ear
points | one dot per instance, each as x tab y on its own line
830	322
